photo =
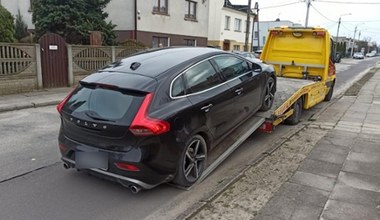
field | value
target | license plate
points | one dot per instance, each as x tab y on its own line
88	160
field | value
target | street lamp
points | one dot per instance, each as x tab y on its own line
337	32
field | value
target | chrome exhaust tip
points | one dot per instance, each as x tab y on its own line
66	166
135	189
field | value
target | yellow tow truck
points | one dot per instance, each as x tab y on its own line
303	60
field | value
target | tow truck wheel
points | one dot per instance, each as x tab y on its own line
192	163
295	117
329	94
268	96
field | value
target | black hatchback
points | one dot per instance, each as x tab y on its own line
153	117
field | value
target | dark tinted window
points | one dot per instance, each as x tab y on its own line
178	87
201	77
102	103
231	67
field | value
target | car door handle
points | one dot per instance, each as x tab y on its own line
239	91
206	108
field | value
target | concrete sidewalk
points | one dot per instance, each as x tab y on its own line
33	99
340	179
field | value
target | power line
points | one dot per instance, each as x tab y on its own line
276	6
322	14
357	3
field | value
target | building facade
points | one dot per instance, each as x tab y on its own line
155	23
227	25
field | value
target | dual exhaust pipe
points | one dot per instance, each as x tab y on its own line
133	187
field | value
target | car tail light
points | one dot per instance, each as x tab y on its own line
63	102
127	167
143	125
319	33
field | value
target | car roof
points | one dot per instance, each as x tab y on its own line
152	63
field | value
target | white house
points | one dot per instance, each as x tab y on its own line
261	31
152	22
227	25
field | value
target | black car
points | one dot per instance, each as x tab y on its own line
153	117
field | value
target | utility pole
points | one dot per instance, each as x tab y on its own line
353	41
308	3
258	26
247	26
336	38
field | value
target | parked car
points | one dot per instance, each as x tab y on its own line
358	56
153	117
337	57
370	54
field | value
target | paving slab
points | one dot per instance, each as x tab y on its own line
327	156
355	196
295	201
360	181
313	180
322	168
323	145
347	211
372	169
366	146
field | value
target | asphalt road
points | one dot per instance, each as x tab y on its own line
33	184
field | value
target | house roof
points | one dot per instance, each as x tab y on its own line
240	8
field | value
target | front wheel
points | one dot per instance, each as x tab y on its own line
192	162
295	117
268	97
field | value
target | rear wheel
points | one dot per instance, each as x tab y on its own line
192	162
295	117
268	97
330	93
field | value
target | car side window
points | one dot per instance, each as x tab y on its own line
178	87
201	77
231	66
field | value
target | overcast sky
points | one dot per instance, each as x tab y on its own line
365	14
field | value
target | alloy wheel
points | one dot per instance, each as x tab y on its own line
194	161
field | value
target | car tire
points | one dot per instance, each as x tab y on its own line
329	94
192	162
269	92
295	117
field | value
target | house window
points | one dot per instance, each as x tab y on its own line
227	22
160	6
160	42
191	10
256	34
237	47
190	42
237	24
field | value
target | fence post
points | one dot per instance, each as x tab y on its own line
113	57
38	66
70	65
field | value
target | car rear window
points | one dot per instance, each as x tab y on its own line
105	104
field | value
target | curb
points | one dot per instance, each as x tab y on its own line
28	105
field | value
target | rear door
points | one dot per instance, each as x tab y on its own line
99	116
213	104
245	84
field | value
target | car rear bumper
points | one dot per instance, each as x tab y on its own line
151	171
71	164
